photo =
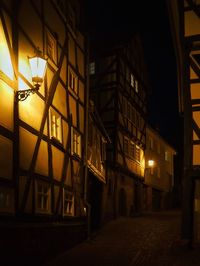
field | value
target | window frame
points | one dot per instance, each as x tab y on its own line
49	36
76	145
92	68
56	126
72	81
43	194
66	211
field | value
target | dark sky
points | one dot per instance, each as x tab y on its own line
150	18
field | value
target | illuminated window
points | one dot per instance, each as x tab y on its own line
137	153
136	85
125	145
43	196
132	80
68	203
51	47
92	68
76	142
167	156
55	125
72	81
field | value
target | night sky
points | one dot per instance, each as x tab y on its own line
150	19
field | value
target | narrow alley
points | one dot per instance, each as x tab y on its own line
147	240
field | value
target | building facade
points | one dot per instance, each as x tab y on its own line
118	87
159	172
185	24
42	137
96	164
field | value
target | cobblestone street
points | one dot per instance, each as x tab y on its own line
147	240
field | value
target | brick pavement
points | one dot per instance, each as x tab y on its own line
147	240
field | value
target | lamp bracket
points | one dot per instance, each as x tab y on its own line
23	94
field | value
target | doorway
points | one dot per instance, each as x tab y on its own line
95	200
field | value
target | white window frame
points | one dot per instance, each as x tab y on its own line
55	125
132	80
44	192
167	156
92	68
137	153
68	203
75	142
72	81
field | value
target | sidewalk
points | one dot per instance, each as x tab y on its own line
152	240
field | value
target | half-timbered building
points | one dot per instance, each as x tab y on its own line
118	86
159	171
96	164
42	134
184	17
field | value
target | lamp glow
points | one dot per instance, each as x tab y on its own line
38	66
151	163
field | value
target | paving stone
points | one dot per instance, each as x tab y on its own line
140	241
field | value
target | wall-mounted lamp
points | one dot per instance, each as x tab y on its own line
38	68
150	163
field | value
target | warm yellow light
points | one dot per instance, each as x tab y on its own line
151	163
5	62
38	68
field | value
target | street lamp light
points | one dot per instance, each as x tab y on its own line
38	68
151	163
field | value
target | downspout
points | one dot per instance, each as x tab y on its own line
86	203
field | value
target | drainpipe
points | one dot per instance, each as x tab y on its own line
86	203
